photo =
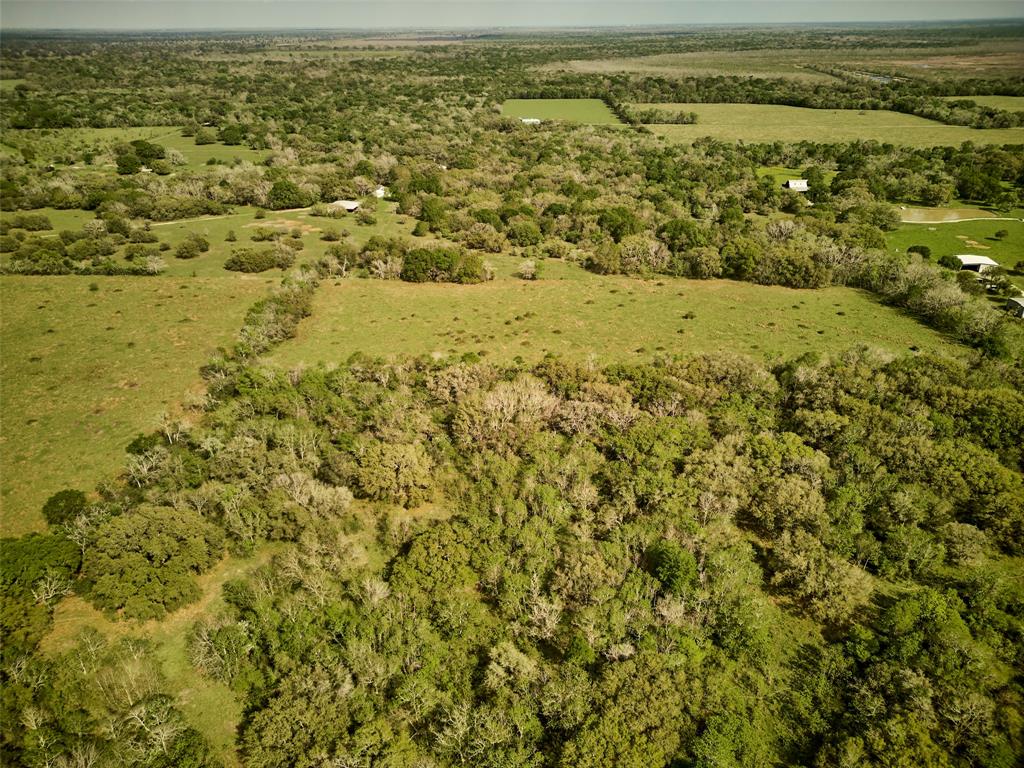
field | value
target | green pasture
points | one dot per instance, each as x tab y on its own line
977	237
83	371
577	315
243	223
764	123
590	111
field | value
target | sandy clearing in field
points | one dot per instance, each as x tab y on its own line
948	215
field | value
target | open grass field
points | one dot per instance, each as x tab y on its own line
575	314
83	371
763	123
590	111
1009	103
977	237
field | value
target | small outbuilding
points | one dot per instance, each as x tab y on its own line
380	192
1015	306
797	185
349	205
976	263
530	120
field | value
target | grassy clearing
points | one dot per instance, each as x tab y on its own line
763	123
83	371
578	315
966	237
590	111
782	174
1010	103
53	145
243	222
210	706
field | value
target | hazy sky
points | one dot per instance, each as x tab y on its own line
249	14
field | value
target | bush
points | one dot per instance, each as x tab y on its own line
529	270
923	250
192	246
251	260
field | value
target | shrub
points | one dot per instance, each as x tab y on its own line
529	270
252	260
192	246
286	194
923	250
949	261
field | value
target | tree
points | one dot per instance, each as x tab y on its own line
285	194
619	222
64	506
143	562
128	164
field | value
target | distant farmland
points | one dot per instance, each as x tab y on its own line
762	123
590	111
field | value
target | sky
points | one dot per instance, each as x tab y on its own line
435	14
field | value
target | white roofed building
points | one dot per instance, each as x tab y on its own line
976	263
797	185
349	205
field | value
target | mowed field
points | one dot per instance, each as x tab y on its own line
83	371
578	315
590	111
763	123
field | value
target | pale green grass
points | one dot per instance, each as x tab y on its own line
763	123
82	372
590	111
1009	103
583	316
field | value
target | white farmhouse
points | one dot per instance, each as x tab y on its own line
797	185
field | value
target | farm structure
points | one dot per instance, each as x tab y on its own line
797	185
349	205
1015	306
976	263
530	120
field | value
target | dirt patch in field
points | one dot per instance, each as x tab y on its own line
284	224
1010	62
934	215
